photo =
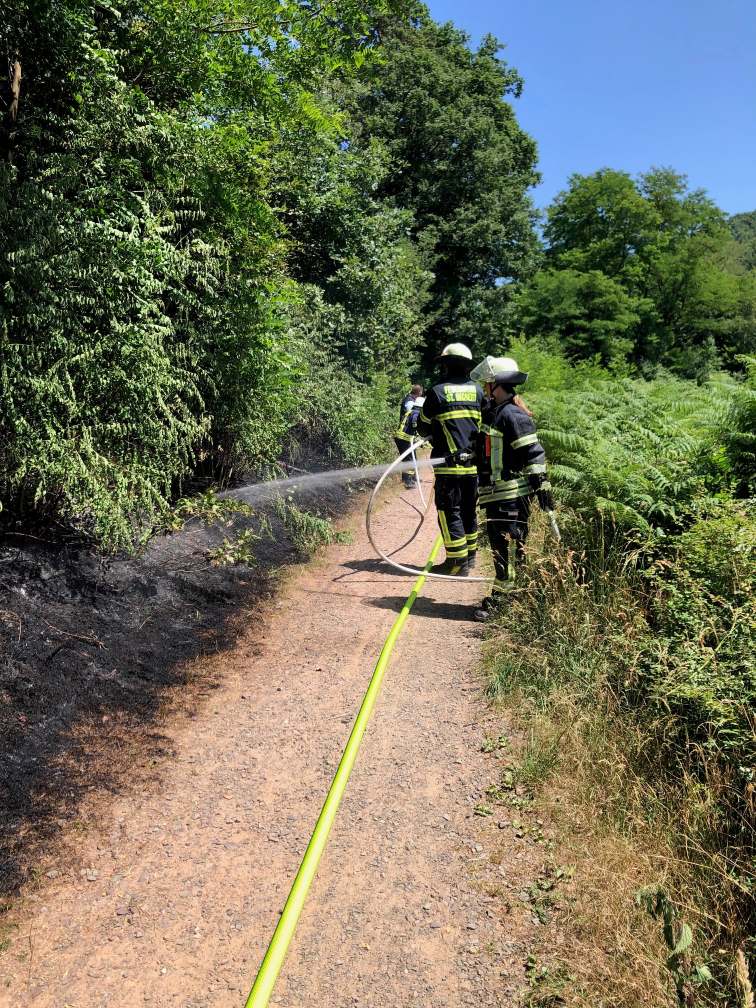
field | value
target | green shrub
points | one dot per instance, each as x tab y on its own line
306	530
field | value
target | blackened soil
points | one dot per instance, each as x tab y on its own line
92	649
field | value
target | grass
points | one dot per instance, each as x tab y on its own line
636	801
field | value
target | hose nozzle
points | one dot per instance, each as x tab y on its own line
459	458
554	526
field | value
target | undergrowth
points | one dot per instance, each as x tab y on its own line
307	531
630	661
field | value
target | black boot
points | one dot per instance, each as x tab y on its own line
487	609
454	566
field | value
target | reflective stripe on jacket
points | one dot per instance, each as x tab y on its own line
451	418
509	453
408	426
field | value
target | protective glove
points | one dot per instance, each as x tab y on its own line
545	499
543	493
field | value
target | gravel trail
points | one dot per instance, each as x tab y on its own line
169	893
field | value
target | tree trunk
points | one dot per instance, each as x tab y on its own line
10	95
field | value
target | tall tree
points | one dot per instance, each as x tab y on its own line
588	313
355	248
743	227
668	248
459	161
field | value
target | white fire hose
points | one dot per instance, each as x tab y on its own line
405	569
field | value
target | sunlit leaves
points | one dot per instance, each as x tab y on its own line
641	269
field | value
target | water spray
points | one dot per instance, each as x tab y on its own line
255	492
252	493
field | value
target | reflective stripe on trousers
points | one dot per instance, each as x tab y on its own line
456	503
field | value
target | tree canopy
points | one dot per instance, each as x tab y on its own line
641	269
459	161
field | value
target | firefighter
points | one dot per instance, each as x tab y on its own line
450	417
512	470
407	431
408	400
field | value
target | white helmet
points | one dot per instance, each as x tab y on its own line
490	366
455	350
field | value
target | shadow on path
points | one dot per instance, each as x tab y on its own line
371	566
457	611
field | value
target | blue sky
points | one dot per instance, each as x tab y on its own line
630	84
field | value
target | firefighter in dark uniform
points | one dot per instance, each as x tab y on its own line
512	470
408	400
407	432
450	417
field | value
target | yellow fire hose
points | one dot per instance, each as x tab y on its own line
279	944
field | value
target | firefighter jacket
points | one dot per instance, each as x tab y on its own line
407	403
408	424
511	460
451	418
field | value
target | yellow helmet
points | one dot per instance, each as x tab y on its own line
490	366
458	350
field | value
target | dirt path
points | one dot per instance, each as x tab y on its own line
172	898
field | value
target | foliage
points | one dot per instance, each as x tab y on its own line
641	453
359	271
634	647
100	385
649	263
459	162
739	433
641	463
678	938
335	418
589	313
239	550
208	508
743	227
306	530
144	296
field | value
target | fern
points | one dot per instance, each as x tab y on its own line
636	451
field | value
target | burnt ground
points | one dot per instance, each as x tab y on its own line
93	649
165	893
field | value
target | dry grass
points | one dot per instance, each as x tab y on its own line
617	816
605	953
744	983
613	952
621	835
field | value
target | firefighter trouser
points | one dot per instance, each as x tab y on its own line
507	528
408	477
456	502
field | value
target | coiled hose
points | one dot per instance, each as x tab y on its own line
368	520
